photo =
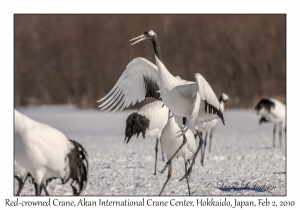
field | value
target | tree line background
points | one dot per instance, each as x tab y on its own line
77	59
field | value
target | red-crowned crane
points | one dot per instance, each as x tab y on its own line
172	144
46	153
149	120
195	101
272	110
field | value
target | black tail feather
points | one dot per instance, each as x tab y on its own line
135	124
208	108
264	103
78	163
220	115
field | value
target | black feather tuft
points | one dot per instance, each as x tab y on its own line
135	124
78	163
213	110
262	120
264	103
151	88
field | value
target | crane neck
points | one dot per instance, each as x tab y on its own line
155	44
165	78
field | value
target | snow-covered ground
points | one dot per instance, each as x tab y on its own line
242	153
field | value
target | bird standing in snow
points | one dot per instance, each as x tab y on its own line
272	110
172	143
46	153
149	120
195	101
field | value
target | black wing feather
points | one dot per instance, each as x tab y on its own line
213	110
151	88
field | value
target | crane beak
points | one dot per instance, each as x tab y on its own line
141	38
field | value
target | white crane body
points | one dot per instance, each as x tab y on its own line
46	153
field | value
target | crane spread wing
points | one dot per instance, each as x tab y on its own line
206	106
194	115
211	102
139	80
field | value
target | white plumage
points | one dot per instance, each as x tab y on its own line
223	98
130	88
46	153
195	101
274	111
180	96
157	113
171	142
149	120
19	171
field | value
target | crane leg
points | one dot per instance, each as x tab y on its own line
44	187
189	172
75	192
204	147
156	149
274	133
21	184
38	189
201	151
210	140
280	142
170	160
187	180
162	151
168	178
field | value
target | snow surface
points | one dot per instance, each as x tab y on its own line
241	152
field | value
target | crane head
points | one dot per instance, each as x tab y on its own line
148	35
224	97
